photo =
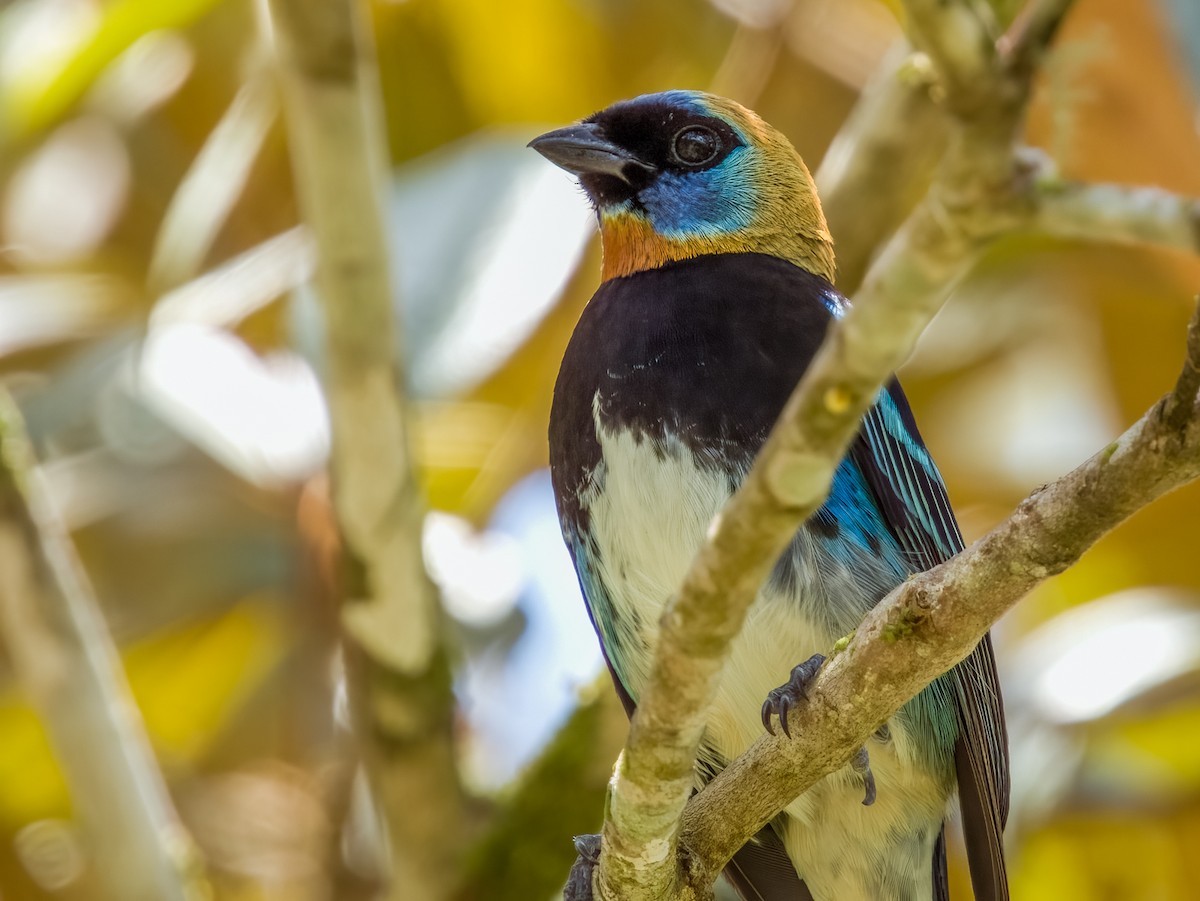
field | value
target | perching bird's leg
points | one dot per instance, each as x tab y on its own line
781	700
861	764
579	882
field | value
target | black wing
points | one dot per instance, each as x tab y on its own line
910	492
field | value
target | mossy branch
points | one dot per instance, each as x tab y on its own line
933	621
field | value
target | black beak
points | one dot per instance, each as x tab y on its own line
582	150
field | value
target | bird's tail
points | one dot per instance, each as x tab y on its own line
762	871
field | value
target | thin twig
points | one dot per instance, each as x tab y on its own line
1024	44
959	38
1119	213
875	164
65	660
215	180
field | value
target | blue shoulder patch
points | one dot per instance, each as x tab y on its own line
861	529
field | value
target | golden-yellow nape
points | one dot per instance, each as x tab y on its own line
750	193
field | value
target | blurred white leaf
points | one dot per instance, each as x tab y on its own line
66	196
755	13
518	272
213	184
487	234
479	573
37	36
1098	657
51	852
1068	684
264	418
846	39
240	286
36	310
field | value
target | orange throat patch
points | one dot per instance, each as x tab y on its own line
632	245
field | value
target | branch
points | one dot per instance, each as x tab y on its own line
398	673
67	663
933	621
975	198
959	38
986	188
1120	213
885	154
882	159
1028	38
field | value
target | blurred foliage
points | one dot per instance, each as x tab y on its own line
41	95
536	804
187	470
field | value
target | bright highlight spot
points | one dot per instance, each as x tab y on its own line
486	235
1109	652
480	573
516	272
262	417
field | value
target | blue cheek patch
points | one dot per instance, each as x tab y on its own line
717	201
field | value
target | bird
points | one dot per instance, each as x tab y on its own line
716	290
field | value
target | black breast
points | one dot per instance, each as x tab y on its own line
704	350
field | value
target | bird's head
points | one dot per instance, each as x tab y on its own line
682	174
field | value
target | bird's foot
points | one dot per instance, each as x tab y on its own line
780	702
579	882
861	764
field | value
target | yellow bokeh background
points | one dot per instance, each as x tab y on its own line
212	559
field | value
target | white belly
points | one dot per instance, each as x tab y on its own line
648	515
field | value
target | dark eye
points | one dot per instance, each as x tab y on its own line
695	145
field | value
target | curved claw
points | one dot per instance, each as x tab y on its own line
587	847
782	700
785	706
861	764
869	789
